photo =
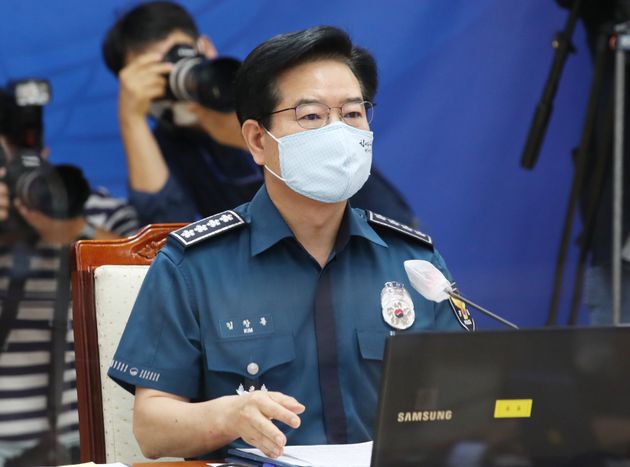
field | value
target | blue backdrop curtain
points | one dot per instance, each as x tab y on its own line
459	83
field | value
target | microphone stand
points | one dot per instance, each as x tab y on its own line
482	309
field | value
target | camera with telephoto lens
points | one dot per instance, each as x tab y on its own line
210	82
58	191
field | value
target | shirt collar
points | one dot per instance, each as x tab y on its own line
358	226
266	224
268	227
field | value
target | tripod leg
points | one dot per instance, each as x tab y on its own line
620	83
602	159
578	177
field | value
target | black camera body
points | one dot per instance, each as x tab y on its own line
21	111
57	191
44	187
210	82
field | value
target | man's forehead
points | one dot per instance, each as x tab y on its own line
318	81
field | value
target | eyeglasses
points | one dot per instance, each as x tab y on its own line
316	114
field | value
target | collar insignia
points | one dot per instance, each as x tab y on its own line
206	228
379	219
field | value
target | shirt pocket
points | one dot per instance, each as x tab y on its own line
251	357
371	344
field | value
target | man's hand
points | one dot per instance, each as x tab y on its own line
141	81
166	424
4	197
223	127
58	231
251	415
51	230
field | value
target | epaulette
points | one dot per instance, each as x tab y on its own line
378	219
206	228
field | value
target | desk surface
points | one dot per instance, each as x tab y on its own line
173	464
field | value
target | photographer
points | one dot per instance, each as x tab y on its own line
193	162
43	209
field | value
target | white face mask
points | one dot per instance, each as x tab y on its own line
328	164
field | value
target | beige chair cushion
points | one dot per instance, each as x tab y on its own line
115	291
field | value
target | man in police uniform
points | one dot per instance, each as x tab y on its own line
277	311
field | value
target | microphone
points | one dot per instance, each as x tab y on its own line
433	285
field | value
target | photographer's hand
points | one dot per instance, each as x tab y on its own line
4	198
143	80
57	231
140	82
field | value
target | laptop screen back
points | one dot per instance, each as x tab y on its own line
543	397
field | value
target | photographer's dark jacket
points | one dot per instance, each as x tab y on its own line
205	177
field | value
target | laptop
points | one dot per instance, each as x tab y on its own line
541	397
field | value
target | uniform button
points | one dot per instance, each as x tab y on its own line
252	368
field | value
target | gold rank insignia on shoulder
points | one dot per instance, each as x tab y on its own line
378	219
397	307
206	228
462	314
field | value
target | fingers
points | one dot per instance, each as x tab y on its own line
4	201
260	432
150	64
20	207
258	411
142	87
290	403
34	218
142	81
37	219
49	229
277	406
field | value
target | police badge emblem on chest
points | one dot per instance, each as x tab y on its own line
462	314
396	305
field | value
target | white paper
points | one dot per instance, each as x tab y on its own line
325	455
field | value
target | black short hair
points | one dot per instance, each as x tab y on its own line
255	84
141	26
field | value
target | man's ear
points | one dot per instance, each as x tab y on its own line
253	134
206	47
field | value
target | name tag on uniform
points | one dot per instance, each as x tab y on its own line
246	326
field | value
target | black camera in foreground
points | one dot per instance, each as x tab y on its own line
21	111
58	191
210	82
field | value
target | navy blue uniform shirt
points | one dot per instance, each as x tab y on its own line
236	307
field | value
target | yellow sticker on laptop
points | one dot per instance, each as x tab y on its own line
513	408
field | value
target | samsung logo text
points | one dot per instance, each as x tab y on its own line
425	416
